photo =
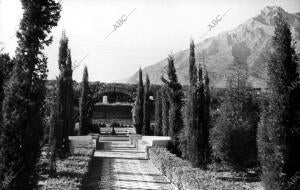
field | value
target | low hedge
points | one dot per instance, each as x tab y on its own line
71	172
181	173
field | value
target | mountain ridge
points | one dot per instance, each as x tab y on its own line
248	41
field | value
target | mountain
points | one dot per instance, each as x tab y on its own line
249	42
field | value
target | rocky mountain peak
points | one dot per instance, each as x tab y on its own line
248	41
271	11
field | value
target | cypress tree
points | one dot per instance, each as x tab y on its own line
206	119
59	101
191	115
69	96
139	104
66	101
158	114
165	111
175	95
63	51
279	128
146	122
84	101
22	129
186	146
203	115
197	115
55	132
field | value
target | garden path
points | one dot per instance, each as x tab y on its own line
123	167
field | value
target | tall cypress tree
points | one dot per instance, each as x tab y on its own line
175	95
197	115
59	101
22	129
66	100
84	101
55	133
191	115
279	128
146	123
206	119
139	104
158	114
52	142
63	51
165	111
69	96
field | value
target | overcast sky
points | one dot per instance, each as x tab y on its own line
152	30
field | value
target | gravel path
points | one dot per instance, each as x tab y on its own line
122	167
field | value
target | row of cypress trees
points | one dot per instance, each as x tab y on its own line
142	106
23	103
197	115
241	136
189	134
62	107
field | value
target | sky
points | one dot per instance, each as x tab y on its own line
152	30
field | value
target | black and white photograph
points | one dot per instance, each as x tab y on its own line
149	95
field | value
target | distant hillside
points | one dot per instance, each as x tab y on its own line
249	42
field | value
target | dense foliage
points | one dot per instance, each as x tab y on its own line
71	172
22	129
175	94
194	141
146	122
139	103
65	102
84	118
55	133
158	114
184	176
233	138
279	128
6	67
165	111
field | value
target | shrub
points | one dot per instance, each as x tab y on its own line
114	124
94	128
71	172
181	173
233	139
